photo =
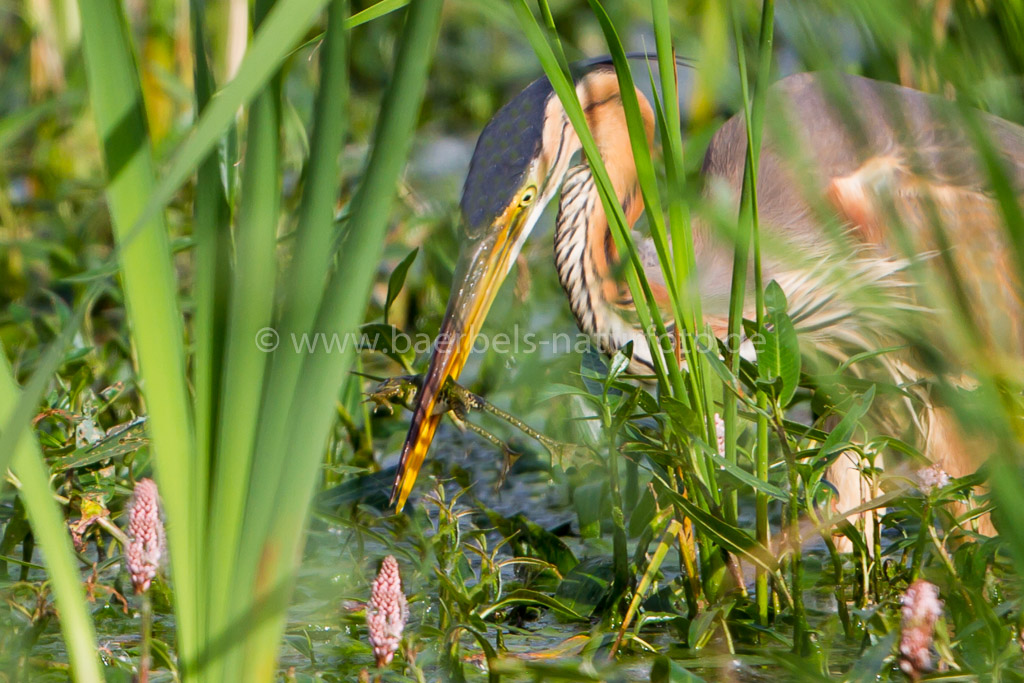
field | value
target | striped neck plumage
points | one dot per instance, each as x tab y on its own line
584	259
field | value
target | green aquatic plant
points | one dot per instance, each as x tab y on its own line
158	268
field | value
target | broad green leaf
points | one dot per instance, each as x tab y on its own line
873	504
587	586
703	627
774	298
778	349
748	478
591	503
593	370
839	437
390	341
625	408
856	538
731	538
643	515
681	415
397	280
619	364
710	354
126	439
530	539
869	666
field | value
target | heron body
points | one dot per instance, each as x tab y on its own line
850	213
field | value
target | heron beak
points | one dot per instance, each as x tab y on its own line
482	266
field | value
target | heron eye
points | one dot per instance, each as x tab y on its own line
529	194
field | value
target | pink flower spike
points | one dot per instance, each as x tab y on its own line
147	543
921	609
387	612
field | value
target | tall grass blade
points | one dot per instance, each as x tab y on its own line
647	181
286	470
307	275
250	312
302	284
212	234
647	311
272	42
211	230
680	229
50	531
753	111
150	295
374	11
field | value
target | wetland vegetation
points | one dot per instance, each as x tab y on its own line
191	192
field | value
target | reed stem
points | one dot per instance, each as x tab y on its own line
620	550
749	231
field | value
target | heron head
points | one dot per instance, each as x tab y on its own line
512	176
518	165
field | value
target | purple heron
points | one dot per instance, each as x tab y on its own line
883	170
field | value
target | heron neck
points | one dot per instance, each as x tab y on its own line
585	258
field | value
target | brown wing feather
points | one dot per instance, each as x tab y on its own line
885	163
885	173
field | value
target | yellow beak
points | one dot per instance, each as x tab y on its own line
482	266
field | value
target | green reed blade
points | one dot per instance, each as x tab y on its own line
648	182
374	11
647	311
749	231
649	188
47	520
271	44
150	295
302	284
679	222
211	231
286	465
250	313
641	152
307	274
380	9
